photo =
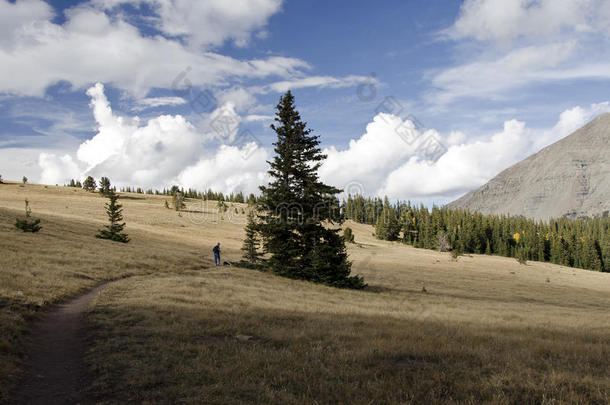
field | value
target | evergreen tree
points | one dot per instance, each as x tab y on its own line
89	184
113	231
105	186
606	252
27	224
296	203
178	200
387	226
251	256
24	179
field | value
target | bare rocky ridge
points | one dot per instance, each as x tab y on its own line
568	178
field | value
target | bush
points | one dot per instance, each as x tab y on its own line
348	235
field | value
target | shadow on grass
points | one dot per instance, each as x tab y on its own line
287	357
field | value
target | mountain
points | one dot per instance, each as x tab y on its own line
568	178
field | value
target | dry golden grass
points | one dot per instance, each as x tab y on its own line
488	330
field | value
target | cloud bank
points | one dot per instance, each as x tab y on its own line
168	150
381	163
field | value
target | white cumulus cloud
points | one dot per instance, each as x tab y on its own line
165	150
381	163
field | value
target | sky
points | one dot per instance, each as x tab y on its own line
419	100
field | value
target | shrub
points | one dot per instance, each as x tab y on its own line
348	235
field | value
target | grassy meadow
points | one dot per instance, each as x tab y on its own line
174	329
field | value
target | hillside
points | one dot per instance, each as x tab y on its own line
568	178
172	329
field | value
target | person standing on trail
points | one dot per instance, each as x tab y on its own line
216	251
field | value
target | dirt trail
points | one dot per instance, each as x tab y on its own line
55	372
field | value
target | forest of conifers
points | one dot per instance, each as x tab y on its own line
582	243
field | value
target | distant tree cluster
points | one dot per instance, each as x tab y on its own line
104	185
582	243
195	194
74	183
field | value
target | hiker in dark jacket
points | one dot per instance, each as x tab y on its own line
216	251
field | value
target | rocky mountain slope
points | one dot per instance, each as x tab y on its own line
568	178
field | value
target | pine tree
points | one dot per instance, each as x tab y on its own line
89	184
113	231
606	252
105	186
387	226
27	224
178	200
251	256
296	203
24	179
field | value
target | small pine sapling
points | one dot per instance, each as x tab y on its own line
113	231
28	224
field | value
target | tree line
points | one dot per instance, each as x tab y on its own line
90	185
582	243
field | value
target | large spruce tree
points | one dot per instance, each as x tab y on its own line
299	210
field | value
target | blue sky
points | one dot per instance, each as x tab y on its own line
136	89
